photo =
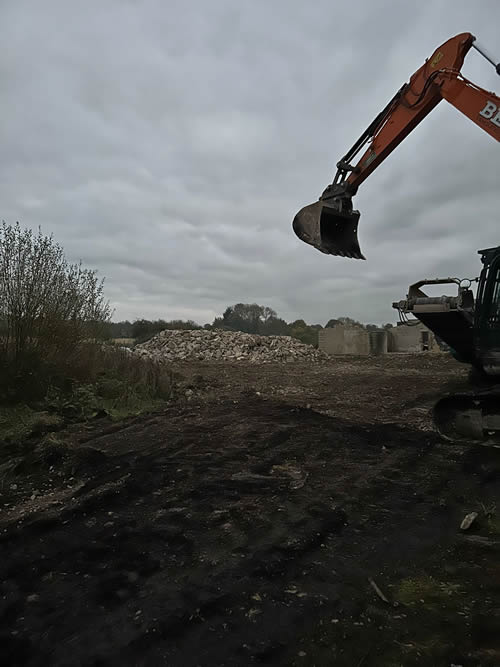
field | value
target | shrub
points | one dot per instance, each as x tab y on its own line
116	381
50	313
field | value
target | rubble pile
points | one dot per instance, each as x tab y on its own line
218	345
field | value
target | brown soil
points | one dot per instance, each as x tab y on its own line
284	515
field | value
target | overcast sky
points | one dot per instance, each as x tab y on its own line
169	145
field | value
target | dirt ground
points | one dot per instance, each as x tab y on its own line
274	514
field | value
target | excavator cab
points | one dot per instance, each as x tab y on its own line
487	325
331	226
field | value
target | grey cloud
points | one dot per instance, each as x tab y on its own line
169	145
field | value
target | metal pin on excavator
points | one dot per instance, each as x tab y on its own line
470	326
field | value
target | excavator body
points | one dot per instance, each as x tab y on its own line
470	326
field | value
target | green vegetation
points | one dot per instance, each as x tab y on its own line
142	330
55	365
425	590
492	518
51	314
19	421
433	602
116	384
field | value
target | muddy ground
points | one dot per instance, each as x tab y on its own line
276	514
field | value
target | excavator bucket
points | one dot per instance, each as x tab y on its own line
329	229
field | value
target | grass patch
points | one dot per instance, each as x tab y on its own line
17	422
107	380
425	590
493	524
129	404
433	607
123	385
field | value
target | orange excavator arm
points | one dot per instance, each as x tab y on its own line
330	224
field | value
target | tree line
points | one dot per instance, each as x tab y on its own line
247	317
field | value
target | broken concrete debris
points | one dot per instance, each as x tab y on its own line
218	345
468	520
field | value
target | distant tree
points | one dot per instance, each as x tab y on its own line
349	322
181	324
120	329
247	317
144	329
263	320
275	326
305	333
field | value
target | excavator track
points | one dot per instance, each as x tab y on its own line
470	416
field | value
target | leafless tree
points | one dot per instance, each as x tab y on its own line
48	307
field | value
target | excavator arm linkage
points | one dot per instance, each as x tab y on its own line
331	224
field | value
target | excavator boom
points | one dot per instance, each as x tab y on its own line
331	224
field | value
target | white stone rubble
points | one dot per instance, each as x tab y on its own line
218	345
